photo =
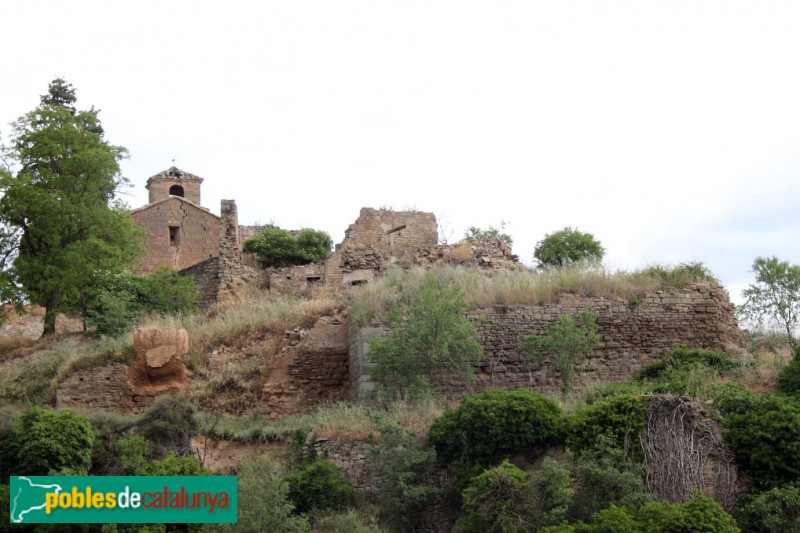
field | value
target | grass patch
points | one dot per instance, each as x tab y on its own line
482	289
336	422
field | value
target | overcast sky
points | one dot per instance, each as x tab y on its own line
670	130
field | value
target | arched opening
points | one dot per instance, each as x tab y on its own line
176	190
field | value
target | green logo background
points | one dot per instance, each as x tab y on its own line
27	499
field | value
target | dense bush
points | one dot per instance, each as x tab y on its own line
277	248
318	487
789	378
606	476
766	440
490	426
169	423
47	441
263	501
731	397
173	465
122	299
402	468
686	371
777	509
498	500
620	418
108	428
701	515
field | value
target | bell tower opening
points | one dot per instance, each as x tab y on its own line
176	190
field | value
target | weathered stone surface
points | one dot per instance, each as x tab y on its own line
105	388
159	358
312	368
632	337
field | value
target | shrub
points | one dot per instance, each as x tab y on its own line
169	423
402	468
701	515
122	299
731	397
567	342
433	337
108	428
681	275
494	424
173	465
621	419
606	476
263	502
318	487
498	500
777	509
133	453
766	440
553	490
474	233
47	441
277	248
686	371
789	378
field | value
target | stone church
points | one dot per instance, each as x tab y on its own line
182	234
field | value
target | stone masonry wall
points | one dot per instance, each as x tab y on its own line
206	278
632	336
297	280
104	388
195	240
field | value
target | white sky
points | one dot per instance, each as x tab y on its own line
670	130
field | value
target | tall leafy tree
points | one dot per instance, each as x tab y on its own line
63	227
775	295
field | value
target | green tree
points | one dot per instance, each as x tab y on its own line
789	378
62	227
499	500
775	295
777	509
278	248
567	246
402	468
431	338
47	441
568	343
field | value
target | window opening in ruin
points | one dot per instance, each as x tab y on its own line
357	282
176	190
398	228
314	280
174	236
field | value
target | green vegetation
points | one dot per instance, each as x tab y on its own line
687	371
60	221
43	442
490	426
402	468
498	500
168	423
567	343
566	247
765	436
789	378
395	289
277	248
777	509
122	299
320	486
775	295
620	419
474	233
432	337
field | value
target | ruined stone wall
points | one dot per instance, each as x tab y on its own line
378	238
206	278
632	336
311	370
299	280
194	237
105	388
